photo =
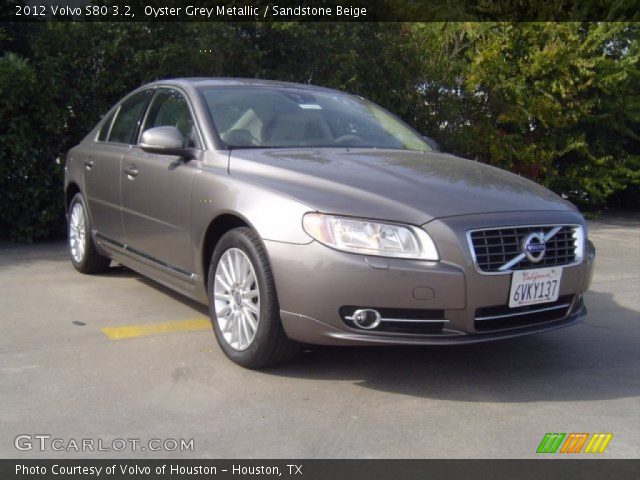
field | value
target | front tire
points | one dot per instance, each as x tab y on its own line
243	303
84	255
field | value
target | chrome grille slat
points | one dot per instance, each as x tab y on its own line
528	312
502	317
495	247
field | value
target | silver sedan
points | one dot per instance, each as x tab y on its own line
301	214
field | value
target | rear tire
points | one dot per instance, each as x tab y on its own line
243	303
84	255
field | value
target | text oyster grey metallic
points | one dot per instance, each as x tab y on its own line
347	224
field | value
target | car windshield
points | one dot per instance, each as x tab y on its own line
286	117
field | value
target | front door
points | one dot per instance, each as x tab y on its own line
156	189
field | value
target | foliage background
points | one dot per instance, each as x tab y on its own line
556	102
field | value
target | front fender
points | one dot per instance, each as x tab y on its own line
273	216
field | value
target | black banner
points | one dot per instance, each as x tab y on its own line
319	11
321	469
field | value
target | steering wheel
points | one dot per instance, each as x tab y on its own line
349	139
240	137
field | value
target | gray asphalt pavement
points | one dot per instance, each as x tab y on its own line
61	375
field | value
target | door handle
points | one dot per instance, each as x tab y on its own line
88	163
131	171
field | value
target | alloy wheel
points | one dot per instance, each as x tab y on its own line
236	296
77	233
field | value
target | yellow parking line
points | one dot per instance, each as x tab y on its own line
133	331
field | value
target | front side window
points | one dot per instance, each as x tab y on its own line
127	118
170	108
272	117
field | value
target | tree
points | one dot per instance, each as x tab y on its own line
556	102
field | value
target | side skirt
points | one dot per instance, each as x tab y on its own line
186	283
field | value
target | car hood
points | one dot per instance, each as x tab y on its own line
399	185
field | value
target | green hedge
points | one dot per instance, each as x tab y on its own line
558	103
30	170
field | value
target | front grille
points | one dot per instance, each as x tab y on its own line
494	248
502	317
401	320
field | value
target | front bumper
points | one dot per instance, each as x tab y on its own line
315	282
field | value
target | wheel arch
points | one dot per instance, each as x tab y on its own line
71	191
217	228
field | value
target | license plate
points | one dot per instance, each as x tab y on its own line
530	287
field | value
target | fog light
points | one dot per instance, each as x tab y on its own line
366	318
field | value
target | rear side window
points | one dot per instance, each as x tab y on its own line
104	131
128	117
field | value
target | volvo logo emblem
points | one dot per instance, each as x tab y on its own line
533	246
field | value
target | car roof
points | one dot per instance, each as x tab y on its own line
224	81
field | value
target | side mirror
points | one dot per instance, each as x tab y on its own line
435	146
165	141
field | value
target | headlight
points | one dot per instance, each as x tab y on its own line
370	238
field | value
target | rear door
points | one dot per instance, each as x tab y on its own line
156	189
102	168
